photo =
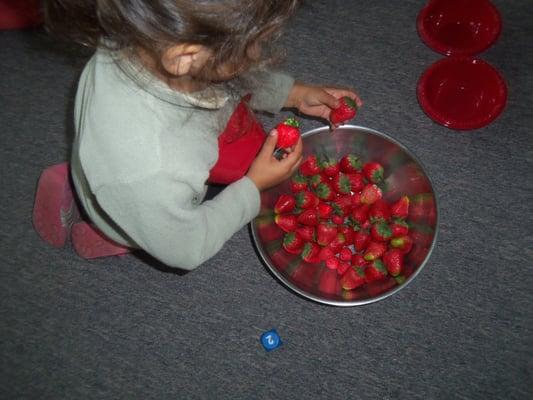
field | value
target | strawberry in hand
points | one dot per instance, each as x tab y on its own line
346	111
288	133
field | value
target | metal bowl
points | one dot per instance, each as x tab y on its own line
404	175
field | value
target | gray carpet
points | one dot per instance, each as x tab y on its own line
130	328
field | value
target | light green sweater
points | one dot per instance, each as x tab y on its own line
142	155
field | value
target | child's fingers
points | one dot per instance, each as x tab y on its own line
270	143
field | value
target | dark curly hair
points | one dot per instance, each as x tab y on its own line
227	27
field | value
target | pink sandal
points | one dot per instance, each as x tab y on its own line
54	210
90	243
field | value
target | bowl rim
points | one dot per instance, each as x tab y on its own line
397	288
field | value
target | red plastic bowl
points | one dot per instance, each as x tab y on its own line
459	27
462	92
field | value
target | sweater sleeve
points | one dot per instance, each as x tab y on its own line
167	219
271	91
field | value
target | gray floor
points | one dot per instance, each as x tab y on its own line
130	328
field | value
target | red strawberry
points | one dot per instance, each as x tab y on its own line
337	243
317	179
343	267
325	233
356	200
288	133
349	164
348	233
284	204
341	183
374	250
337	219
361	239
332	262
298	183
381	232
400	209
308	217
342	205
325	192
287	222
308	233
330	166
370	194
373	171
293	243
358	261
345	254
306	199
310	252
360	215
309	166
379	211
404	243
353	278
347	110
375	271
325	253
393	260
324	210
357	181
399	228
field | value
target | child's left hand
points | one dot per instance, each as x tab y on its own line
318	101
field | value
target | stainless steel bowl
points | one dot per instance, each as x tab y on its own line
404	175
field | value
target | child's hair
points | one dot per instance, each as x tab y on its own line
228	27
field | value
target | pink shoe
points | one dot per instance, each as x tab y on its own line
54	209
90	243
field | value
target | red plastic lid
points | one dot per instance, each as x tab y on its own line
459	27
462	92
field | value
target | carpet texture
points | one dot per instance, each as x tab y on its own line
131	328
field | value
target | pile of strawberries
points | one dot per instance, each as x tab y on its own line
335	213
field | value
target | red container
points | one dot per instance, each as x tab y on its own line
462	93
459	27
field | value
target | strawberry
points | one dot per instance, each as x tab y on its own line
306	199
308	217
337	219
370	194
379	211
325	192
400	209
287	222
332	262
349	164
343	267
308	233
357	181
353	278
360	215
310	252
356	200
348	233
374	250
298	183
328	282
375	271
404	243
329	166
341	183
317	179
309	166
399	227
342	205
381	232
358	261
324	210
325	253
347	110
293	243
288	133
393	260
361	239
373	172
284	204
325	233
337	243
345	254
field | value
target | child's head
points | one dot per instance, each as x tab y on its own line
222	37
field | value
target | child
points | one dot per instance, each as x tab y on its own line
167	77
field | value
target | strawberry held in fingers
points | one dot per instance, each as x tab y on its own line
288	133
287	222
373	171
347	110
284	204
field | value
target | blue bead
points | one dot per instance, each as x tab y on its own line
270	340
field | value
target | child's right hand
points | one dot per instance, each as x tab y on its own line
267	171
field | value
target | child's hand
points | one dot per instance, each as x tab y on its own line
318	101
267	171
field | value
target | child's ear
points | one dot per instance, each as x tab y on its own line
185	59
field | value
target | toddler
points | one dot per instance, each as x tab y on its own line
163	108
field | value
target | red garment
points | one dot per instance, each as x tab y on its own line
238	145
